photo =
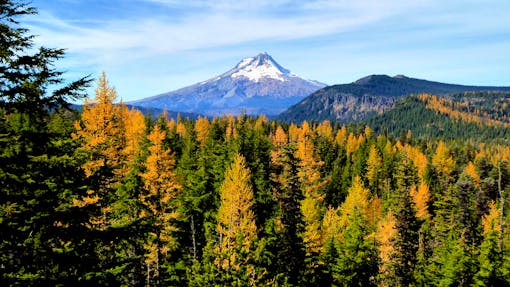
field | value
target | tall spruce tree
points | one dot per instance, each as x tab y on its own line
289	246
40	238
407	225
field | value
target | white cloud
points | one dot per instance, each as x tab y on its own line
120	40
356	36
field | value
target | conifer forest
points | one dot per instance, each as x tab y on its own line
107	196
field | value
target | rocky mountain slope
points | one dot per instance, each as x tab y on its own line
256	85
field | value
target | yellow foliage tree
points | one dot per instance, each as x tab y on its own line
368	132
490	221
421	197
324	129
231	132
280	137
471	171
398	146
311	184
357	200
385	235
419	160
352	144
374	211
102	135
293	132
202	129
389	149
312	238
160	207
341	136
279	140
181	129
330	225
171	126
236	219
134	128
260	123
374	164
442	160
101	129
309	164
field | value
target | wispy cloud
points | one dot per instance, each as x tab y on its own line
155	41
220	25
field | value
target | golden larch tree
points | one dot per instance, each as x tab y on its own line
101	133
374	165
330	225
236	220
309	164
421	197
171	126
352	144
181	129
134	128
341	136
385	235
442	160
311	185
312	237
293	133
368	132
279	138
374	211
231	131
418	158
101	129
471	171
260	123
325	130
202	129
160	206
490	221
357	200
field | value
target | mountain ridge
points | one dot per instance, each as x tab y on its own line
367	96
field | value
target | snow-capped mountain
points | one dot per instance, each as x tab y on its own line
257	85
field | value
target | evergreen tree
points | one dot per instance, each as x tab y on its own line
407	226
493	270
357	263
41	234
289	245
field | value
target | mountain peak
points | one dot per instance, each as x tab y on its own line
256	85
371	79
259	67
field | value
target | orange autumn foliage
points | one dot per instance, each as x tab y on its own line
202	130
158	200
421	197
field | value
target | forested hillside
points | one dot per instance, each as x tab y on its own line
110	197
367	97
245	201
474	116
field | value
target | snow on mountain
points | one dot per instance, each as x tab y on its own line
262	66
256	85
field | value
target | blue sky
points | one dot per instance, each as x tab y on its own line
148	47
